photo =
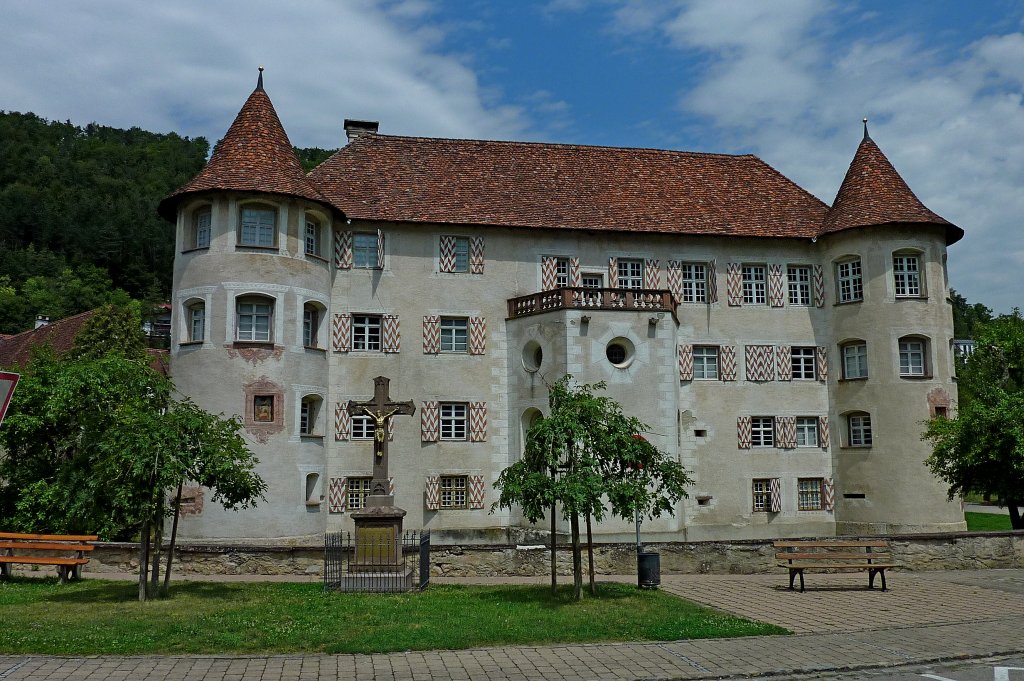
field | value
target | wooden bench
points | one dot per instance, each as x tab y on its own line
20	548
841	555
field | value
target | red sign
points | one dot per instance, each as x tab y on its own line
7	383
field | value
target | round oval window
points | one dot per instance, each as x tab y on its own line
616	353
533	356
619	352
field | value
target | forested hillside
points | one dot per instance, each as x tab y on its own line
78	222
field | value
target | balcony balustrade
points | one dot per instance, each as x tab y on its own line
579	298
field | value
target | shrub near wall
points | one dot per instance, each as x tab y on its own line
953	551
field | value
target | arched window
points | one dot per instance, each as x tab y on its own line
913	352
254	319
313	316
858	429
195	321
313	235
849	280
855	359
907	274
309	415
258	226
199	234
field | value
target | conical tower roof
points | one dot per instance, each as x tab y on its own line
873	193
255	155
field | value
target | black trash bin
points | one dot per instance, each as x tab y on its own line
648	570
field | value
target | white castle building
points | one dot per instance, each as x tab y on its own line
786	351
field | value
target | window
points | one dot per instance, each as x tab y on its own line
802	361
705	362
312	236
453	421
364	251
808	495
254	317
850	282
755	285
806	431
310	325
762	494
461	254
196	322
363	428
454	333
631	273
358	490
762	431
855	360
561	272
799	280
201	228
592	281
453	491
309	411
906	272
695	283
912	357
263	408
259	227
859	430
366	332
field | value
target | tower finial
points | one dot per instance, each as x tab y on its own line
865	119
259	83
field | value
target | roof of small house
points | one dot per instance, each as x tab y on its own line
16	350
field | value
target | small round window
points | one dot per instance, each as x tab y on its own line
620	352
533	356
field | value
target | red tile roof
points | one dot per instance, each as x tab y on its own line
873	193
16	350
516	184
255	155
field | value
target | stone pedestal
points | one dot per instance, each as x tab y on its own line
378	535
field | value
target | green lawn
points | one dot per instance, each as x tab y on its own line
93	617
987	522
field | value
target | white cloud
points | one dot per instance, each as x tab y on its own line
781	80
188	66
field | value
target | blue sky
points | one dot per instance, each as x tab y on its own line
789	80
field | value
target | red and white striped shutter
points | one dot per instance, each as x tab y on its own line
822	363
734	283
828	494
477	421
447	260
430	421
728	362
341	333
775	486
342	422
776	288
819	286
712	281
343	250
431	334
785	430
760	362
784	362
392	335
476	491
391	482
743	428
380	249
823	431
548	273
337	495
433	493
391	432
652	274
476	255
675	280
613	272
685	362
477	335
575	278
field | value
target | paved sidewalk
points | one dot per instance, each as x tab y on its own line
925	617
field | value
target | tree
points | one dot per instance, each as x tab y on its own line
967	317
981	450
94	443
585	454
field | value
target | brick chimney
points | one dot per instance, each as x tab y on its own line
354	129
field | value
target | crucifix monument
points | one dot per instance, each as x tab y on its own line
378	525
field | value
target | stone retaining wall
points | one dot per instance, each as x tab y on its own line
966	550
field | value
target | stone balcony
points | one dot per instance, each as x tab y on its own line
607	299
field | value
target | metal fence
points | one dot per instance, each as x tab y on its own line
376	563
